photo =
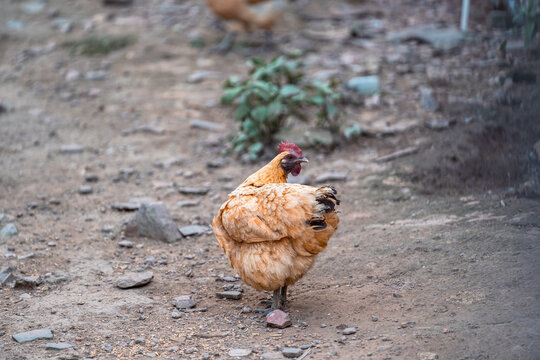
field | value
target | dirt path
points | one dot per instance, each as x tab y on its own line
419	273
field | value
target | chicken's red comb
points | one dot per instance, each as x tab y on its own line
290	147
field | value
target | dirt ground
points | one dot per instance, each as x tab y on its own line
437	254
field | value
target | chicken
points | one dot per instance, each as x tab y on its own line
272	231
247	15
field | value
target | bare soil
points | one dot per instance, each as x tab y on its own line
435	254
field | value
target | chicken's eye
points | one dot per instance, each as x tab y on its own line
289	157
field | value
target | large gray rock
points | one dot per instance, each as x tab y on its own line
154	221
33	335
134	279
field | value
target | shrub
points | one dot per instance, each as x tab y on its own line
273	92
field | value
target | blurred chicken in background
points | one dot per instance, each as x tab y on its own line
247	15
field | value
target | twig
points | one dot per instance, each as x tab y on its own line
209	336
305	354
397	154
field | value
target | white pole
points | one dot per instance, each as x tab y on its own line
465	14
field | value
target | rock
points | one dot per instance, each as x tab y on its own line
205	125
144	129
2	216
27	281
71	149
278	319
33	335
222	277
444	39
200	76
134	279
216	163
193	190
51	244
95	75
349	331
64	25
16	25
6	275
292	352
85	189
118	2
125	206
8	230
438	124
192	230
33	7
331	176
274	355
176	314
364	85
428	356
187	203
91	177
384	347
150	261
374	318
58	346
427	99
154	221
232	295
239	352
184	302
73	75
126	244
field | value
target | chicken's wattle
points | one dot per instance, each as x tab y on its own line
296	170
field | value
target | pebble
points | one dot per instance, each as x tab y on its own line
364	85
278	319
187	203
85	189
126	244
15	25
438	124
58	346
192	230
374	318
8	230
227	278
202	75
193	190
349	331
95	75
151	260
6	275
107	229
91	177
51	244
73	75
239	352
184	302
331	176
134	279
71	149
27	281
33	335
428	356
232	295
384	347
205	125
176	314
292	352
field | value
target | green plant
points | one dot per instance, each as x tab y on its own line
273	92
527	15
99	45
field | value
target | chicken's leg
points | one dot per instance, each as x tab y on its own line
283	297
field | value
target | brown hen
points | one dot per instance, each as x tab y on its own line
272	231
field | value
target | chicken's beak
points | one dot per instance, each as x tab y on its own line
303	159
